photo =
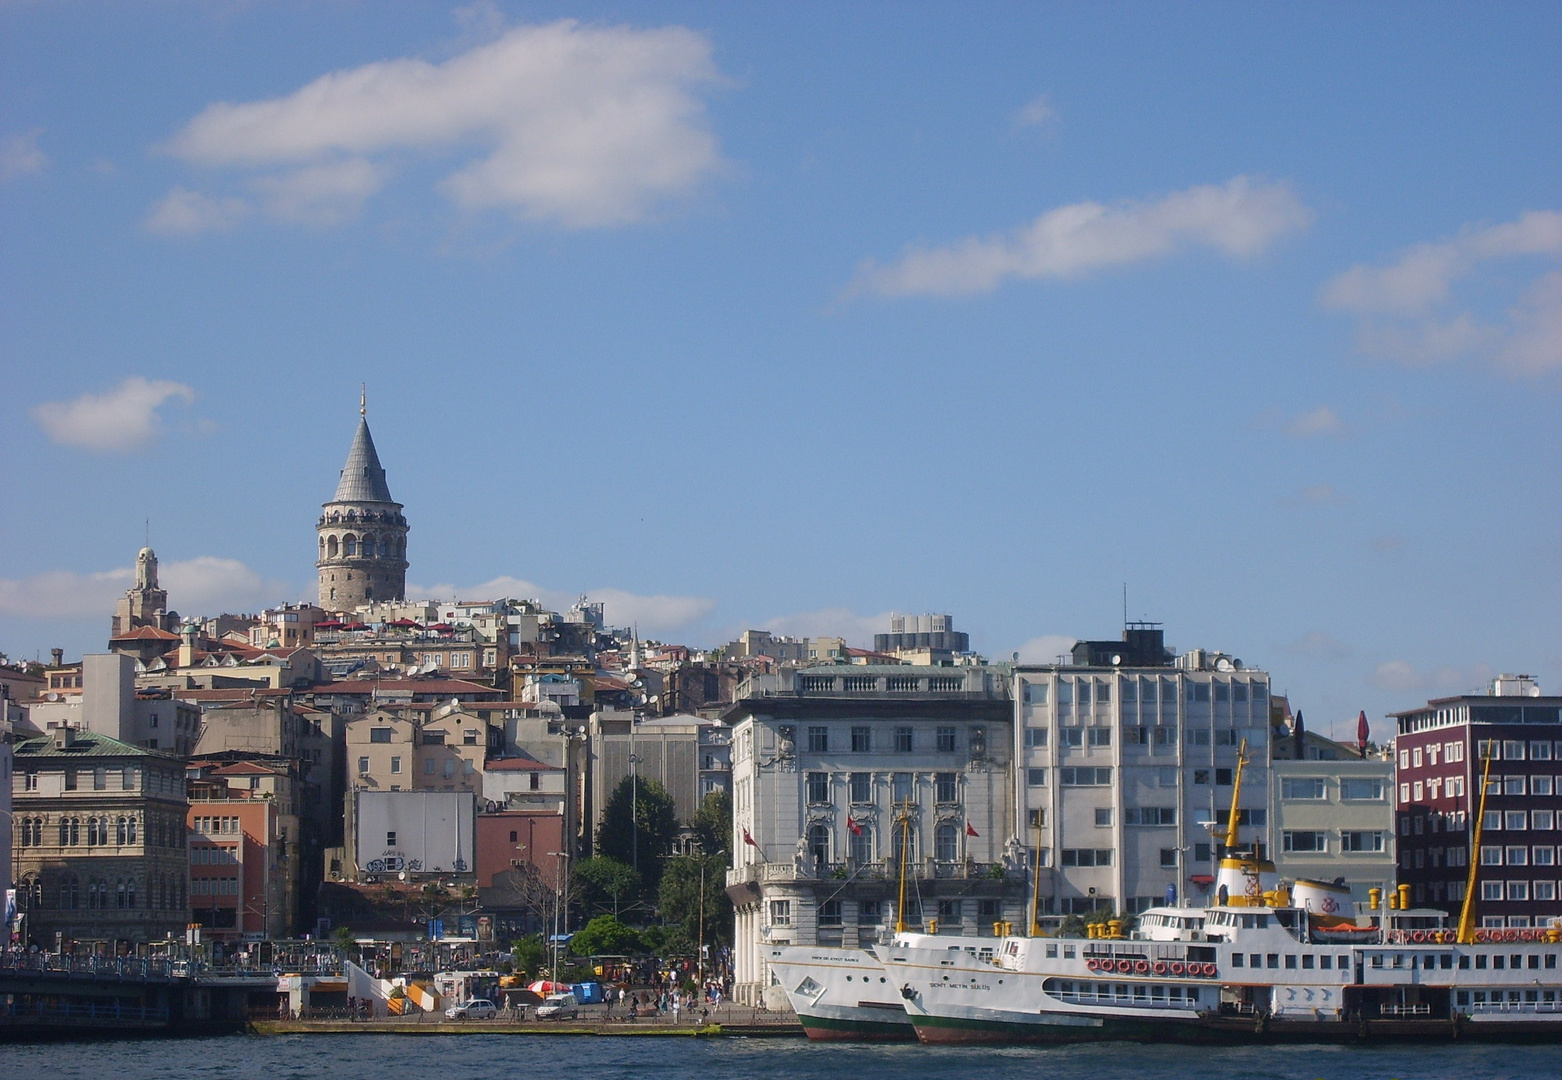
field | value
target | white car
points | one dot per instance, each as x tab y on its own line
558	1007
473	1009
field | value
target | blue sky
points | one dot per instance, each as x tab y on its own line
794	315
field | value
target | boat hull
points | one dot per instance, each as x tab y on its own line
1228	1031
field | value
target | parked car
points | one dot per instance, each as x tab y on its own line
473	1009
558	1007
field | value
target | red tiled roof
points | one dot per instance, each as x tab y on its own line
146	633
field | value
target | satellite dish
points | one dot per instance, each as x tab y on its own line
1116	659
1223	664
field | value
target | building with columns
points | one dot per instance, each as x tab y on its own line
843	775
362	533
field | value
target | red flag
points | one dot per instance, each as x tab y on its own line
747	839
970	830
852	824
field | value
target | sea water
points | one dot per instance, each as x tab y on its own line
500	1057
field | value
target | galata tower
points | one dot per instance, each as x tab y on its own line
363	537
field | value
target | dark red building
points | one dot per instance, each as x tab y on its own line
1439	755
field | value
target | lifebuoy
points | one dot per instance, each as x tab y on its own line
1510	935
1141	967
1209	970
1124	967
1093	964
1419	937
1480	937
1177	968
1160	968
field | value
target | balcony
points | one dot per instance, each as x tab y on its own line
921	870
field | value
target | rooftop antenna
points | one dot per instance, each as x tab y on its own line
148	533
1125	605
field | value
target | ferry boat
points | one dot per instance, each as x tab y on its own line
1265	963
844	993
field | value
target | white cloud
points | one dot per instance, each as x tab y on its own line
1401	676
1319	645
122	420
321	195
183	212
1402	306
858	630
206	584
1038	113
1322	421
20	155
565	123
1240	218
653	614
1046	649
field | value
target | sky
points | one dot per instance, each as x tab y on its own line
789	316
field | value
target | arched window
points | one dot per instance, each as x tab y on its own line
369	546
905	841
349	545
819	843
862	844
130	893
70	897
119	895
322	547
946	842
130	831
65	831
93	839
120	836
330	548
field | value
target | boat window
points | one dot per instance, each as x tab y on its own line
1480	962
1236	959
1326	962
1464	963
1052	952
1307	960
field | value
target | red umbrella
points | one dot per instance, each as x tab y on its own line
544	986
1361	733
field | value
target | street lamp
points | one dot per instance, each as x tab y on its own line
560	860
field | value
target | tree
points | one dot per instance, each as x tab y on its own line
606	886
679	899
604	936
639	823
531	955
713	823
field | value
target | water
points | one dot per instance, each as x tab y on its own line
498	1057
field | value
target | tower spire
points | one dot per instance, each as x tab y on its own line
363	401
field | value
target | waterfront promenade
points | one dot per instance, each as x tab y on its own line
720	1020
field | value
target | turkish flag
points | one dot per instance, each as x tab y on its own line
747	839
970	830
851	823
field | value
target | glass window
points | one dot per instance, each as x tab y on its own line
903	789
862	740
1103	815
1036	737
819	740
780	913
830	913
947	786
903	740
946	740
862	849
363	765
1036	777
869	913
1100	736
1302	787
861	787
395	764
818	787
1305	840
946	842
1035	693
1515	819
1359	788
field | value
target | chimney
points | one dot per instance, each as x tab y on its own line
58	657
64	737
187	645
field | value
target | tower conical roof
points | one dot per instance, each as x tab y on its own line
363	478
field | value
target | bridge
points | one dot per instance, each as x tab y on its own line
44	995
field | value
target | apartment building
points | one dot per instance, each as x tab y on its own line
1439	756
1125	758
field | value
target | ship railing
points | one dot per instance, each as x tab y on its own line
1516	1007
1420	1008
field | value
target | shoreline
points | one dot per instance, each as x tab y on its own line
378	1027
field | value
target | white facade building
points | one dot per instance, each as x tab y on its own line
836	771
1122	767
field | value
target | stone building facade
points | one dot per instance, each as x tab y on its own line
101	844
846	779
362	533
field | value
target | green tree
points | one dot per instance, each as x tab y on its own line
678	899
531	955
606	886
639	823
604	936
713	823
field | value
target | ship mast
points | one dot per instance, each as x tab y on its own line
1236	794
1467	912
905	837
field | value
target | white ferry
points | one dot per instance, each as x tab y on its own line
1264	964
845	993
